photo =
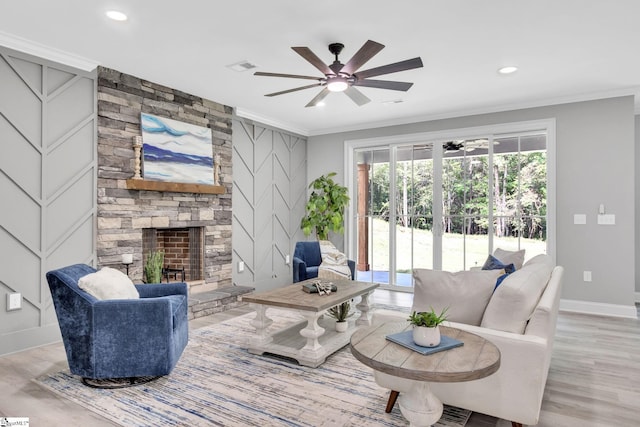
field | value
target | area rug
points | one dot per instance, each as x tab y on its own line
218	383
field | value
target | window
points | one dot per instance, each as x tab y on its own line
445	203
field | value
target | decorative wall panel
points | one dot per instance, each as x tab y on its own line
269	192
47	187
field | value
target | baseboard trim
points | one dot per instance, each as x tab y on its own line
598	308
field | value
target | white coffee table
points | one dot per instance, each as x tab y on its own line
312	339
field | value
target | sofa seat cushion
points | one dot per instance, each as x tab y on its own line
108	283
464	293
513	302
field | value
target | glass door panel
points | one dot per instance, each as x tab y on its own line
445	205
465	199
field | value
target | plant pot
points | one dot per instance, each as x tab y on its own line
342	326
426	337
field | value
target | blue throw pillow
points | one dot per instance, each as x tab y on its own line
493	263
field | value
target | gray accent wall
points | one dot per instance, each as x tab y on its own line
595	165
637	205
269	194
47	187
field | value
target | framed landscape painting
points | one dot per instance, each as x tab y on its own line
175	151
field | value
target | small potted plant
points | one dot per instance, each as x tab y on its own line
153	267
341	313
426	330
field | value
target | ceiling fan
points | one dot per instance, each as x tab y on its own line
340	77
467	145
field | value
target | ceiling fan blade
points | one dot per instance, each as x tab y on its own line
366	52
356	96
319	97
292	90
409	64
384	84
311	57
291	76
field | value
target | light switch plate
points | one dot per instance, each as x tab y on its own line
579	219
240	266
14	301
608	219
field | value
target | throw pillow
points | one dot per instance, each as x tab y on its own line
493	263
514	301
510	257
465	293
108	283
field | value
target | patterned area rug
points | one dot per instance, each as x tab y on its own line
217	382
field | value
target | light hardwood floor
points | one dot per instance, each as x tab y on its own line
594	378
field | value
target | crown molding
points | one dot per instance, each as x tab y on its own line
241	112
591	96
46	52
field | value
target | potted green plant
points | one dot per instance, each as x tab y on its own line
153	267
341	313
426	330
325	208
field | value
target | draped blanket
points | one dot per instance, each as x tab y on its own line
334	263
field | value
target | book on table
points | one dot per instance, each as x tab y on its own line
405	339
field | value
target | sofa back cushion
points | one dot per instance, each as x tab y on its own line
465	293
514	301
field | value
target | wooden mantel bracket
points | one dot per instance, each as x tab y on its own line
176	187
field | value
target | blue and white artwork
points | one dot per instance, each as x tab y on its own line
174	151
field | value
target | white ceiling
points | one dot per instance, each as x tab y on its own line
565	49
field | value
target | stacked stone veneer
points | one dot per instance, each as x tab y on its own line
123	213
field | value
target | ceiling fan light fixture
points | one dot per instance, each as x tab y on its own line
337	84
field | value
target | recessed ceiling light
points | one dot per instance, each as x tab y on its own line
508	69
116	16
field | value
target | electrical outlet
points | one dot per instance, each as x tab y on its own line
586	276
287	260
240	266
14	301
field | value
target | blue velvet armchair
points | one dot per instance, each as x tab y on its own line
123	338
307	259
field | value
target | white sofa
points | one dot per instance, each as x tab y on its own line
519	318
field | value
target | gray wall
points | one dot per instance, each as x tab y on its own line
269	194
47	188
595	164
637	199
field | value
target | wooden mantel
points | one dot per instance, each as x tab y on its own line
176	187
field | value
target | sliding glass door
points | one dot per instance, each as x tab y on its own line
445	204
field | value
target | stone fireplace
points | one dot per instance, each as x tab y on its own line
128	218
